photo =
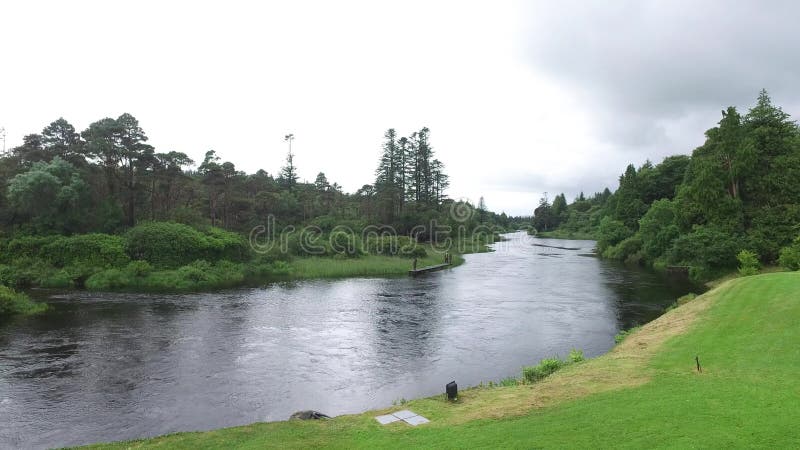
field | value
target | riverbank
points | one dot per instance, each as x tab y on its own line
171	257
561	234
14	303
645	392
204	276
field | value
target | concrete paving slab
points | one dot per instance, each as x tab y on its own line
416	420
404	414
388	418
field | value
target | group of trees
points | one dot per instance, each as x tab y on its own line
107	179
408	174
737	191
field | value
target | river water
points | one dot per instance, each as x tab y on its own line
103	367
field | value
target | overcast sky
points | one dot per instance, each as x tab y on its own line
521	97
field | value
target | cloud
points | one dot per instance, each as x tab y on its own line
645	66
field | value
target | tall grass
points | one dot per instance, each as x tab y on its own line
370	265
16	303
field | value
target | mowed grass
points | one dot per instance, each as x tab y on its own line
645	393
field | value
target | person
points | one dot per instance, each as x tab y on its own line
414	264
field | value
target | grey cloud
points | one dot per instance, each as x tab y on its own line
644	64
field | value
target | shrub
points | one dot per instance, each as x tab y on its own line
658	229
611	232
576	355
790	256
27	247
25	272
12	303
92	250
706	247
342	243
545	367
395	246
108	280
508	381
223	244
307	242
57	280
623	250
748	263
139	268
169	244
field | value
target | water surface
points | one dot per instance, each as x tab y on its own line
103	367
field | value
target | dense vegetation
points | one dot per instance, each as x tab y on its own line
645	393
102	209
737	192
14	303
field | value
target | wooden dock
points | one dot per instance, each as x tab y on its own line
415	272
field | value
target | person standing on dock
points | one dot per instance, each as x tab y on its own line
414	264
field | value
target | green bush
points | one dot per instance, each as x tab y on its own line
57	280
790	256
198	275
26	272
658	229
706	247
395	246
90	250
169	244
109	280
342	243
307	243
624	249
508	381
139	268
12	303
576	355
27	247
545	368
611	232
748	263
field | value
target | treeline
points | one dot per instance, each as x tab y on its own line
107	179
737	192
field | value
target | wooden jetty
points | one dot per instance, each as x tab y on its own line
415	272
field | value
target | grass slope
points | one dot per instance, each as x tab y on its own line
644	393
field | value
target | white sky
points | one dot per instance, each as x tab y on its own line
237	76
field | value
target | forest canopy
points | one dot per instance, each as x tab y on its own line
738	191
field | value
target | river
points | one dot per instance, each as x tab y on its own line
102	367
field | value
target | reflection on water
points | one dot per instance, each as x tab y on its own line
103	367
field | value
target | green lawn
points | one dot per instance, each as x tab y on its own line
645	393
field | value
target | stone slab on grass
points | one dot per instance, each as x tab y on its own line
405	415
388	418
416	420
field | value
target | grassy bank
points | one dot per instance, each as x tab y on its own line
14	303
172	257
367	266
646	392
562	234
